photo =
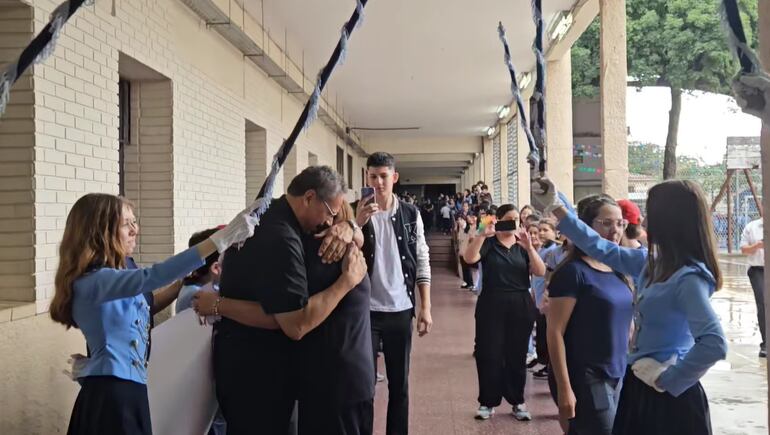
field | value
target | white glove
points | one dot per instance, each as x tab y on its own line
239	229
544	195
648	370
77	363
752	93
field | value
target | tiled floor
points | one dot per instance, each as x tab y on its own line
443	385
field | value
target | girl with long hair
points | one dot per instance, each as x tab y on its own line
97	293
677	335
588	326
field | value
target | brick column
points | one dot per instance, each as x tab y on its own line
612	79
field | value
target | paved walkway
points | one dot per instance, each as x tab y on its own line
444	386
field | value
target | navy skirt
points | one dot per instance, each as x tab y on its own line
109	405
644	411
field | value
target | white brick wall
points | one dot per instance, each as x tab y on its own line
149	169
66	144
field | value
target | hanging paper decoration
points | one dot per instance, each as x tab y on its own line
537	101
39	49
310	112
534	156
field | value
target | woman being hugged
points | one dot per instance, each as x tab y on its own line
677	335
99	291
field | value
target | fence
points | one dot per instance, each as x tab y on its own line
737	196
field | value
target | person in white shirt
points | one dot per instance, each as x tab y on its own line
752	245
446	217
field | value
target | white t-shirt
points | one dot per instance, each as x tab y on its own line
753	233
446	212
388	284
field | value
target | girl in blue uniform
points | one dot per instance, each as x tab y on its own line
97	293
677	335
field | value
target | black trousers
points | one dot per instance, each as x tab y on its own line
757	279
322	419
467	275
394	331
541	342
644	411
108	405
254	387
504	322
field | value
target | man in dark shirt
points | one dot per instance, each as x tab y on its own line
254	368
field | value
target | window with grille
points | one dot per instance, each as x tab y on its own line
496	171
513	160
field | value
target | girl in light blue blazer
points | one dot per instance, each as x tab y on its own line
98	293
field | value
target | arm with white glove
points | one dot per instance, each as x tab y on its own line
237	231
752	93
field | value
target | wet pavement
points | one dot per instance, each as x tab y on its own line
737	387
443	374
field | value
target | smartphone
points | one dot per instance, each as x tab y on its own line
366	192
485	222
505	226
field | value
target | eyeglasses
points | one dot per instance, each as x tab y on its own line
608	224
331	213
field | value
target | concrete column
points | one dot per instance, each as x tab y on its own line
524	177
559	122
764	55
612	79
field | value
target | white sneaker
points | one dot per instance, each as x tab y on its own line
483	413
520	412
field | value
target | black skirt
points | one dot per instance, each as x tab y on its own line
108	405
644	411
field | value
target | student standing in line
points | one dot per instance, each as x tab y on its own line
590	310
96	293
547	234
677	335
398	262
753	246
505	314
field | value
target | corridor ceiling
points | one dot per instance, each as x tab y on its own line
433	64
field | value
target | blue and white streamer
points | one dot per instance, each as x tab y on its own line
534	156
310	113
39	49
538	96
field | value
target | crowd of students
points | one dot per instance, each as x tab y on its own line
625	328
619	306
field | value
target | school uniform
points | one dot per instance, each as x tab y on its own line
596	342
113	309
673	317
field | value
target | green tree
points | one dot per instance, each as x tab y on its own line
679	44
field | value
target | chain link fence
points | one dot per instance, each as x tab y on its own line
730	194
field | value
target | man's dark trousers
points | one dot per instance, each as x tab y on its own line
394	331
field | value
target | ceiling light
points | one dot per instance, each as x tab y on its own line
503	112
560	25
491	131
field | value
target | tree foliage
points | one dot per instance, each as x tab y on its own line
678	43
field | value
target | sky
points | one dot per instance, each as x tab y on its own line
706	121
